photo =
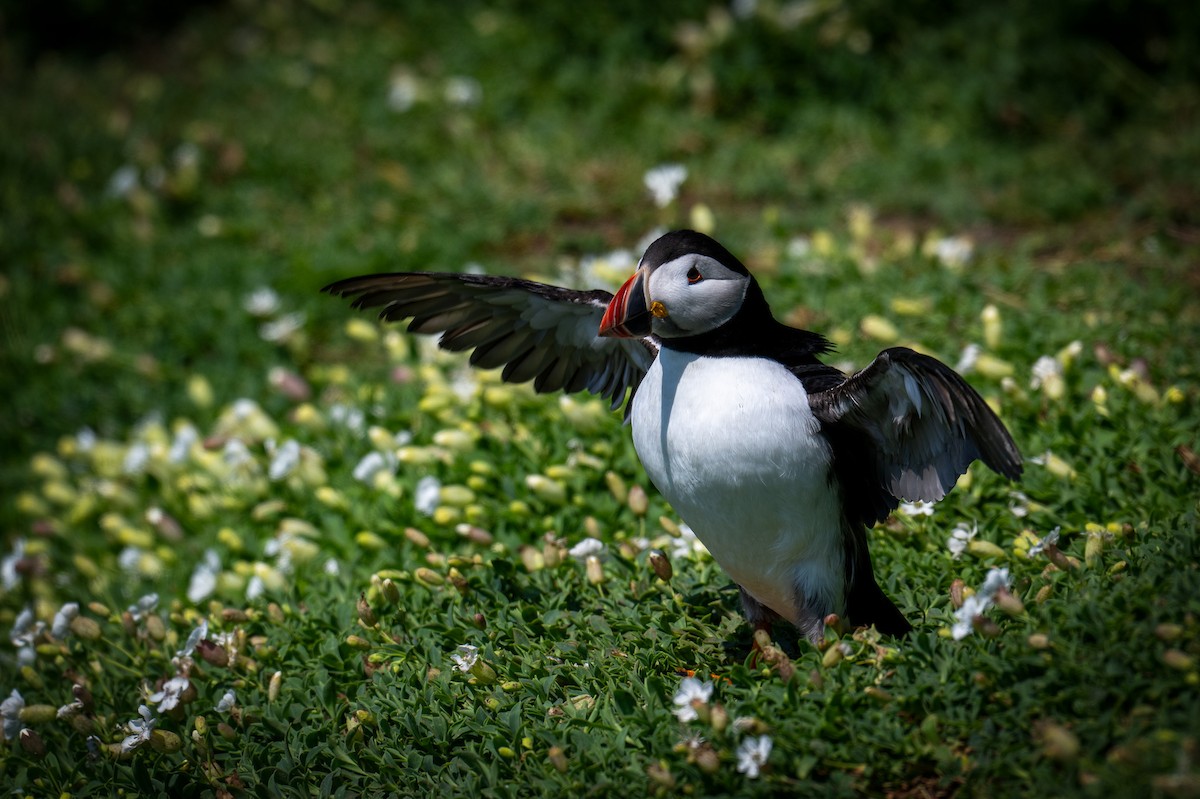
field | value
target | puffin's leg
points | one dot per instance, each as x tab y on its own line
760	617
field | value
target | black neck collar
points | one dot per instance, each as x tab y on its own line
754	331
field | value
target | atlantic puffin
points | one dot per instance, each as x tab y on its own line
778	462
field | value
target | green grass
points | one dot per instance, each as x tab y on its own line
267	155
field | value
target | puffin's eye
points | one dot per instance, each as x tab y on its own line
694	275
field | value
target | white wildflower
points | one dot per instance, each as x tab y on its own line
284	459
171	693
687	544
181	444
262	302
427	495
85	439
236	453
664	182
10	713
743	9
1020	505
255	587
976	604
25	630
465	658
960	536
123	181
347	416
954	251
968	358
194	638
752	755
799	247
9	576
139	730
61	626
204	577
372	464
332	567
462	91
143	607
586	548
403	92
136	458
692	693
918	508
228	700
283	328
1044	368
1051	539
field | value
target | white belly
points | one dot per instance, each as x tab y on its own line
733	446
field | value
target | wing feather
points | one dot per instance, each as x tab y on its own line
926	425
535	331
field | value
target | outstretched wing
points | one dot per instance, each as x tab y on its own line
926	424
537	332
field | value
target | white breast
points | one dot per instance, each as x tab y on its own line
733	446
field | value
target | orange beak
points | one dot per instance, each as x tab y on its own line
628	314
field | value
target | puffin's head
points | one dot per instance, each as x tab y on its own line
685	285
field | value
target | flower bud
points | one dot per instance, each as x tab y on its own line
38	714
878	694
428	577
595	572
1038	641
532	558
546	489
84	697
33	744
358	642
390	591
475	534
214	653
1168	631
638	502
1094	547
365	615
458	581
553	554
616	486
273	686
558	759
956	593
165	741
878	328
86	628
661	565
234	616
984	549
227	732
835	654
993	328
707	760
1058	743
1009	602
718	717
416	537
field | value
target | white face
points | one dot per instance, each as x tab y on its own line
697	294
